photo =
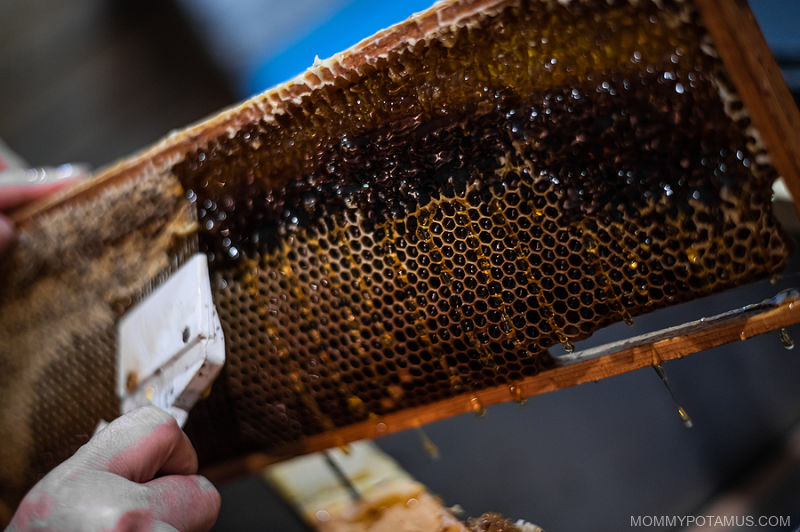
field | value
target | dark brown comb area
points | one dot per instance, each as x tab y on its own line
432	224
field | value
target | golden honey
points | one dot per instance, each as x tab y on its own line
434	221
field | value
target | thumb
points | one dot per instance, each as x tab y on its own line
140	444
189	503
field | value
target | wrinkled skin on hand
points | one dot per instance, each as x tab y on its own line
135	474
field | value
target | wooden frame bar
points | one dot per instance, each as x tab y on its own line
713	333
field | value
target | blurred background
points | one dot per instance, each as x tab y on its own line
92	81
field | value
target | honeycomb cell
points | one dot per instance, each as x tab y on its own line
386	246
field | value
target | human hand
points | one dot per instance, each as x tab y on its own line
109	484
35	184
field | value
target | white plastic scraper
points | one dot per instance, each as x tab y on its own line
170	345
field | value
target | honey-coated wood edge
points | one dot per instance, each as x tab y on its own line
729	330
757	77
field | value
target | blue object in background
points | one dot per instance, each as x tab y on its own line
779	24
355	21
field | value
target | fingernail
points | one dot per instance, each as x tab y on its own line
205	484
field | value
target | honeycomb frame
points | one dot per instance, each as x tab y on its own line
272	403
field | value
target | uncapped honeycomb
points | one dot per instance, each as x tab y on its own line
431	224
